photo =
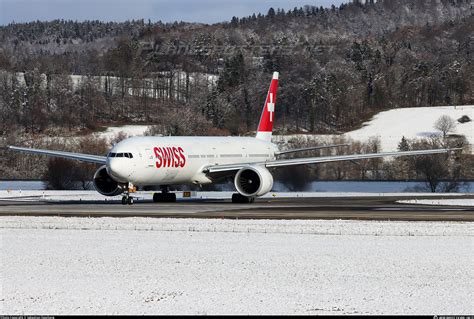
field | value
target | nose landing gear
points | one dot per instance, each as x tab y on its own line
126	198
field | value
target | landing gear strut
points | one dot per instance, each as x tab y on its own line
165	196
241	199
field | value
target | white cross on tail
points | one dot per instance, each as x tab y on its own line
271	107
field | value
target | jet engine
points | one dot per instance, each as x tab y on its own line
253	181
105	184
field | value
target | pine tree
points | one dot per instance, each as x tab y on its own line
271	13
403	145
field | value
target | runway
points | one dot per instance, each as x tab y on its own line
356	208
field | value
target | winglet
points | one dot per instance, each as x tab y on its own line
265	126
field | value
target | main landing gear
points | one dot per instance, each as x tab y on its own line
165	196
241	199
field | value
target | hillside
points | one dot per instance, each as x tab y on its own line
388	126
391	126
338	67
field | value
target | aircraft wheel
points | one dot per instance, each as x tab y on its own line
241	199
124	200
170	197
130	201
164	197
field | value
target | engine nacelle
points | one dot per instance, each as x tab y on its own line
105	184
253	181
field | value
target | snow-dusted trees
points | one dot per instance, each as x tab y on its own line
66	174
335	71
441	172
183	121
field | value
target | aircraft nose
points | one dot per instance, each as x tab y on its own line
118	169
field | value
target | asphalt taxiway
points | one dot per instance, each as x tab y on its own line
358	208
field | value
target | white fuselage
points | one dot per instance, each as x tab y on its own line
181	160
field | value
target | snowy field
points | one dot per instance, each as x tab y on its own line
129	130
390	126
54	265
416	122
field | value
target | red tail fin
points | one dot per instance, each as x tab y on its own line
265	126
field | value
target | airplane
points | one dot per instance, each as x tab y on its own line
166	161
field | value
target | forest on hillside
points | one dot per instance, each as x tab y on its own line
337	67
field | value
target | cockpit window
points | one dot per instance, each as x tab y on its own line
127	155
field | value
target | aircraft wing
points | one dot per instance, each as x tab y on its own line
309	149
69	155
324	159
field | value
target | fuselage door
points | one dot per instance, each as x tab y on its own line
149	158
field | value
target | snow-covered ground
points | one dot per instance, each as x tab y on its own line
390	126
417	122
449	202
181	266
129	130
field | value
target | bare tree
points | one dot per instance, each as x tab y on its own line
445	124
440	171
181	121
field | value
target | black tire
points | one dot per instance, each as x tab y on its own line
130	201
170	197
164	197
241	199
124	200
